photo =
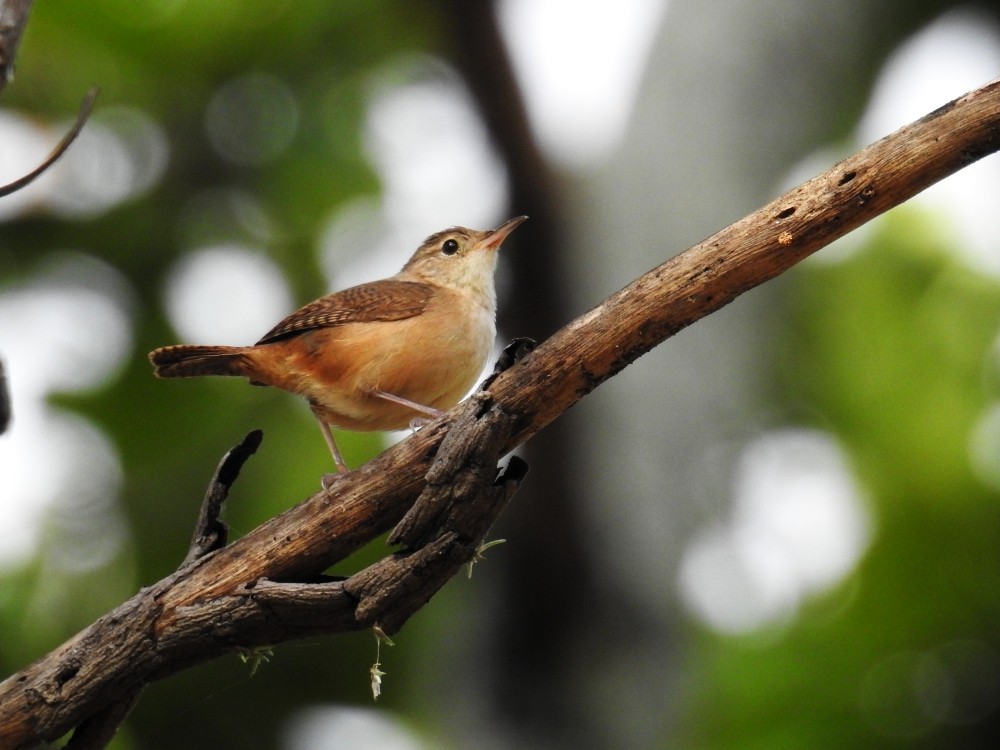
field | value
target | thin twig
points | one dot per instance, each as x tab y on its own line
59	150
211	532
96	732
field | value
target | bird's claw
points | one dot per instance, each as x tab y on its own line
417	422
328	480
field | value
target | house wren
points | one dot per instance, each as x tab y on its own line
379	355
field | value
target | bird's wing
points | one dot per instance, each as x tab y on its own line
384	300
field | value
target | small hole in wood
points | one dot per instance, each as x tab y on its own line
786	213
847	177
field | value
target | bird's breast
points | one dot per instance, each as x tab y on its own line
432	359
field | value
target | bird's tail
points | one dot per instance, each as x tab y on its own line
187	361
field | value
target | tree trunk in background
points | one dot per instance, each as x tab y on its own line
733	97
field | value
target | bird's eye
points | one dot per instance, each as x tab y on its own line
450	247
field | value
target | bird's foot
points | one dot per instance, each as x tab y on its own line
417	422
328	480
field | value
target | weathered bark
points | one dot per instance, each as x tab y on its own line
13	19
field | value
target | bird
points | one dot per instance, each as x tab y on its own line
383	355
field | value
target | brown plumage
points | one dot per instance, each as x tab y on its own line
189	361
378	355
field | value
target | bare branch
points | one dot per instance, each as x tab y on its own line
260	612
466	461
211	533
5	412
594	347
97	731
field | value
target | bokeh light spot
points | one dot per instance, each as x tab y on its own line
332	727
252	119
984	447
798	526
26	144
226	294
67	329
908	693
958	52
120	154
580	66
432	152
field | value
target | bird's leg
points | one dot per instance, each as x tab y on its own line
417	422
430	411
338	459
334	450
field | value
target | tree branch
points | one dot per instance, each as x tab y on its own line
4	400
13	19
210	532
261	589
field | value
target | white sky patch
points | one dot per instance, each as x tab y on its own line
958	52
580	64
436	166
58	461
334	727
120	154
955	54
66	330
984	447
798	526
226	294
357	244
26	144
432	155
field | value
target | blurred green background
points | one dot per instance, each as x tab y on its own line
779	530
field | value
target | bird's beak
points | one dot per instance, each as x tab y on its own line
495	238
